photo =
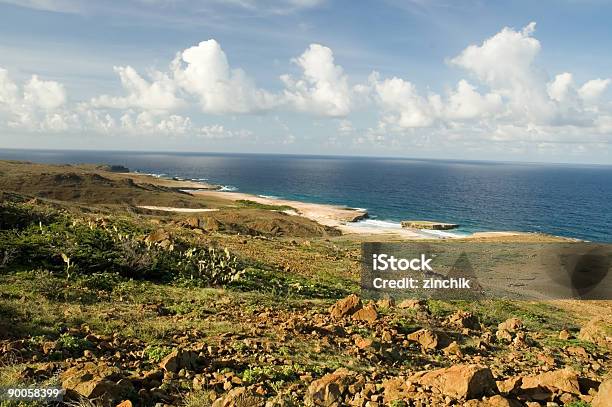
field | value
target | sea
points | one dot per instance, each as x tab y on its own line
559	199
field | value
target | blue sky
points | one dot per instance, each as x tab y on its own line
423	78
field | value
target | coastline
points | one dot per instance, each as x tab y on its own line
350	221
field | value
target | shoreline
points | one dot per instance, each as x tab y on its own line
350	221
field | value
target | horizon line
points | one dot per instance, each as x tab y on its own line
475	160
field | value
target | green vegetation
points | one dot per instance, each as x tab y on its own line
245	203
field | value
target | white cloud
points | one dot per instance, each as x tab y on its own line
592	90
203	71
467	103
401	103
323	89
560	88
47	95
159	94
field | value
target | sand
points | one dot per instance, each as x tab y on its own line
172	209
340	217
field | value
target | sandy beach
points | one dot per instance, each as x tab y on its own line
348	220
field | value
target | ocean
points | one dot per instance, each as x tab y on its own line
558	199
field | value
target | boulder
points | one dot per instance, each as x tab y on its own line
545	385
459	381
367	314
511	325
330	388
192	222
597	331
463	319
427	338
604	395
495	401
91	380
180	359
345	307
240	397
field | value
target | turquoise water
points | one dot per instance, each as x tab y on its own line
565	200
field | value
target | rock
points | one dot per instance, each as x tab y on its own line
125	403
345	307
427	338
597	331
330	388
192	222
362	343
495	401
240	397
385	303
459	381
157	236
453	349
412	304
604	395
503	335
578	351
425	224
180	359
463	319
394	389
511	325
510	385
367	314
565	335
93	381
545	385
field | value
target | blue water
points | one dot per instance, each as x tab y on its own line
564	200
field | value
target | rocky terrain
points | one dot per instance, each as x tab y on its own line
122	306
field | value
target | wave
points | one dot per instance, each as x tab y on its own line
268	196
228	188
387	224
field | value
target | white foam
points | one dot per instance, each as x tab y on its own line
268	196
386	224
228	188
443	233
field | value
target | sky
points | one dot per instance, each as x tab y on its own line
485	80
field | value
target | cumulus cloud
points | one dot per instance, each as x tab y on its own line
323	88
203	71
592	90
157	94
37	104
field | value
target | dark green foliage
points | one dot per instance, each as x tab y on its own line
63	244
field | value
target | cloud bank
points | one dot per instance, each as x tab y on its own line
504	96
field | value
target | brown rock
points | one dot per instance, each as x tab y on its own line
495	401
511	325
367	314
564	335
192	222
180	359
330	388
345	307
240	397
510	385
125	403
157	236
413	304
427	338
453	349
463	319
545	385
362	343
459	381
604	395
386	303
597	331
93	381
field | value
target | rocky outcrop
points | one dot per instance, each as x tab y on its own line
346	307
548	384
604	395
240	397
459	381
425	224
329	389
597	331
